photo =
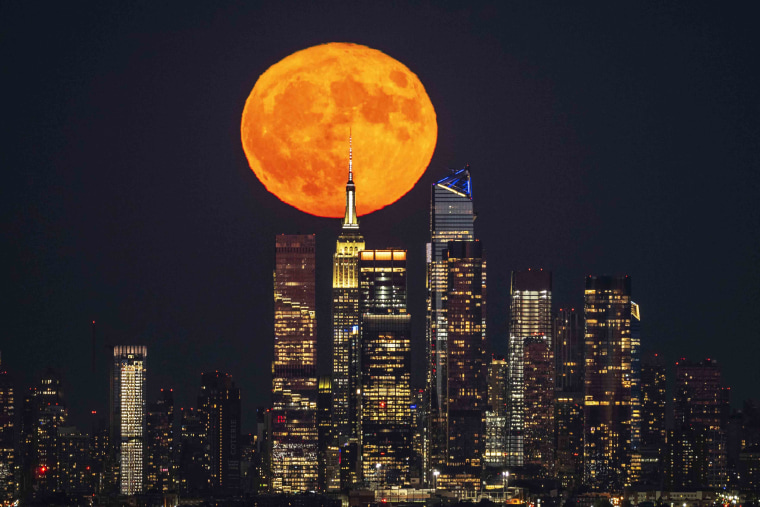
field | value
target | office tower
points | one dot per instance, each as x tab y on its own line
43	413
496	416
607	393
652	447
701	409
8	461
160	468
419	418
467	388
531	294
74	461
294	380
193	469
329	478
219	405
568	402
128	415
345	319
538	379
451	219
386	419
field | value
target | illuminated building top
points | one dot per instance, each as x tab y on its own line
350	221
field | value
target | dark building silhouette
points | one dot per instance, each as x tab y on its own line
219	406
8	455
43	413
193	468
451	219
327	468
653	432
294	380
698	451
607	394
568	403
160	460
75	479
386	370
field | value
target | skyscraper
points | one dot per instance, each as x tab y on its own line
160	468
8	458
607	394
701	409
219	405
531	319
345	318
451	219
467	388
538	378
496	416
294	381
652	421
128	415
386	370
568	403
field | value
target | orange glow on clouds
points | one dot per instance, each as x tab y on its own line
296	123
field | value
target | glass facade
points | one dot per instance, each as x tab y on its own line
607	393
386	395
294	381
467	388
531	302
451	219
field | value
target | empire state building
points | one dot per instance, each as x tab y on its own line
345	318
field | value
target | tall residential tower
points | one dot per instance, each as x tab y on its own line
128	415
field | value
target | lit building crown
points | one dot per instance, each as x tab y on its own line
350	221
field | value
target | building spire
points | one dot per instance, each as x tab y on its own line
350	220
350	158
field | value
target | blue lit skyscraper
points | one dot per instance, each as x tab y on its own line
451	219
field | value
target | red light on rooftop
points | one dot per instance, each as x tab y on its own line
94	412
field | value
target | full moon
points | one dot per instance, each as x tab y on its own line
297	119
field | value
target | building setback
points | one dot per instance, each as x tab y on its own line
451	219
345	326
294	381
531	319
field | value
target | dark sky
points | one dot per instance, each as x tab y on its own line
603	139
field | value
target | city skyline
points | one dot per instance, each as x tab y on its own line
162	236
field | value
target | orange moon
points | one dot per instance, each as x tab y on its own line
297	119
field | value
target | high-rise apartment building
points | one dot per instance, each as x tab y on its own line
160	468
701	409
451	219
219	405
607	394
538	379
386	370
346	320
496	416
568	402
294	382
467	388
329	478
531	319
8	457
653	433
193	468
128	415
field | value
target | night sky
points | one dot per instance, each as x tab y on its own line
603	139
